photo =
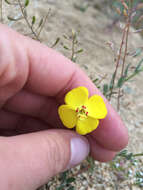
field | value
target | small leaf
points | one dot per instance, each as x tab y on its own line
74	35
91	164
10	18
7	2
56	42
129	156
79	51
14	19
26	3
139	174
105	89
33	20
125	154
138	66
63	176
95	80
71	188
112	80
40	23
127	69
66	37
65	47
122	153
121	82
70	180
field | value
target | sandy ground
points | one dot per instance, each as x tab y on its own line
96	60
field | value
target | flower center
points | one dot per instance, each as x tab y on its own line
82	112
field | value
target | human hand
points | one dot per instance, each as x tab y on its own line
33	82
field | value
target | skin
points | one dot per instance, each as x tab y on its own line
34	145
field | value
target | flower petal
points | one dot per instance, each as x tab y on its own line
77	96
96	107
68	116
86	125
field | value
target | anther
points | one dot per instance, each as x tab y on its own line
77	110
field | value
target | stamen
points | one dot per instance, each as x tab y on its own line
81	112
77	110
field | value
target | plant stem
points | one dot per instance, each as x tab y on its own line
132	75
123	65
118	60
139	154
72	55
29	25
125	51
73	45
102	78
43	24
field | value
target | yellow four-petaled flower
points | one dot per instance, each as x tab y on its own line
82	112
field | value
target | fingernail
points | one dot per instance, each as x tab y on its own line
79	151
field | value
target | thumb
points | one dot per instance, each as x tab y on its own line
28	161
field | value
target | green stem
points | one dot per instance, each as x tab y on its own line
25	17
117	62
73	46
43	24
140	154
132	75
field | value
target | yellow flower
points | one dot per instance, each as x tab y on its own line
82	112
